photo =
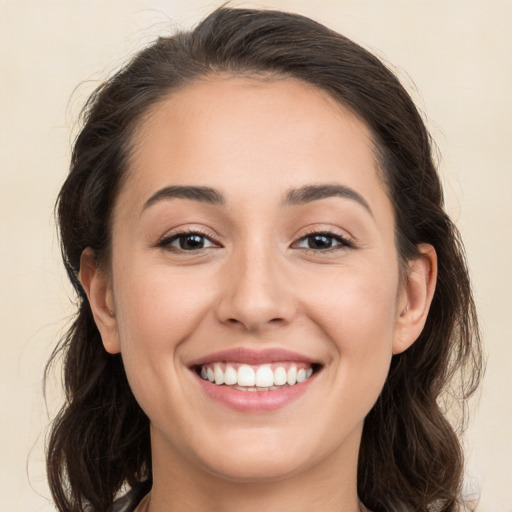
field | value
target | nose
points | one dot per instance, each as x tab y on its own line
256	294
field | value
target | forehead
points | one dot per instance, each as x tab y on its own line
244	133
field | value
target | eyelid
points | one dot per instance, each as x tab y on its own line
346	242
165	241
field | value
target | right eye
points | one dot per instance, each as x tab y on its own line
187	242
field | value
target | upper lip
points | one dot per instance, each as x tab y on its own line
248	356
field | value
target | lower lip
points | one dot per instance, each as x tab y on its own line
254	401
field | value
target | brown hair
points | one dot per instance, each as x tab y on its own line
410	457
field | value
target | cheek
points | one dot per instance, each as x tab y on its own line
157	310
356	312
159	307
357	305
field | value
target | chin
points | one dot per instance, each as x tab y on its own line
261	456
261	468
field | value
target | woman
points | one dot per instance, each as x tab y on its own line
272	298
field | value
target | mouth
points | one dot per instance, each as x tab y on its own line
255	380
263	377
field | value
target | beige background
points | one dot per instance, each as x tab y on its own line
458	53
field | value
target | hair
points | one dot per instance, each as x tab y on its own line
410	457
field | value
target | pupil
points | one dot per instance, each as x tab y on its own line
191	242
320	241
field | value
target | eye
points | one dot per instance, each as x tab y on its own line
322	242
187	241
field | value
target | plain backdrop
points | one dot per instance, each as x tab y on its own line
453	56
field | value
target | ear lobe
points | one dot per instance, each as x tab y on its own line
415	298
96	285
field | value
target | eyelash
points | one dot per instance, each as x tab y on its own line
343	242
166	242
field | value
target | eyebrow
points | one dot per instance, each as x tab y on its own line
310	193
293	197
202	194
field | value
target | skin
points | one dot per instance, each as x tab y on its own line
256	284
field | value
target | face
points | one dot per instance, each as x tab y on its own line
253	246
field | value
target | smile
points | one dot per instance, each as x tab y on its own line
277	378
264	377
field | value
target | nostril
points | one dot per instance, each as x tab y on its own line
277	321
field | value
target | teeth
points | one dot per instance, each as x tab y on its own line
280	376
218	374
301	375
266	377
291	375
246	376
230	376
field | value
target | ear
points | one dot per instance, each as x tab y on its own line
98	289
415	298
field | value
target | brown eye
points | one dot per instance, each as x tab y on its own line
191	242
187	242
322	242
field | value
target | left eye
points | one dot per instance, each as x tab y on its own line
187	242
322	241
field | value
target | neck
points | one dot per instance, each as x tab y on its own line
329	486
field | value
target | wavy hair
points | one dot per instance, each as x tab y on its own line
410	457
